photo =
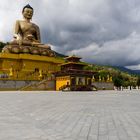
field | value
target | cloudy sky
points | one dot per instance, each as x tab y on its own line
100	31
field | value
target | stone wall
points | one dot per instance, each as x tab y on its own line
104	85
47	85
43	85
14	84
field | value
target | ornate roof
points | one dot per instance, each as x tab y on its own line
74	63
73	58
74	72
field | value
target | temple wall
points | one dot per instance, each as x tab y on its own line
26	66
62	81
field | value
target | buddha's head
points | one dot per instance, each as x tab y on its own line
27	12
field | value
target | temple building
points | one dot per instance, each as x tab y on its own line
72	75
28	64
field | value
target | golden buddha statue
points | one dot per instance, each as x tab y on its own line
27	36
25	31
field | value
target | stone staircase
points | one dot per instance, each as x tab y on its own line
47	84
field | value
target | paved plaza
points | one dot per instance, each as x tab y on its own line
41	115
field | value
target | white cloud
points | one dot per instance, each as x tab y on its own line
120	52
133	67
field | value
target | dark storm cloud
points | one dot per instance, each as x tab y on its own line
100	31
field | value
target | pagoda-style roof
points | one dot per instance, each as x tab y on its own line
73	58
74	72
73	63
74	67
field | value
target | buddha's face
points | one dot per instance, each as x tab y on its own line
27	13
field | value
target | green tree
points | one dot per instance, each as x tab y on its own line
118	80
138	82
2	44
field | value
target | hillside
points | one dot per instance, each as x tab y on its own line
128	70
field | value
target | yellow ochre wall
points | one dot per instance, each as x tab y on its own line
45	66
26	63
61	81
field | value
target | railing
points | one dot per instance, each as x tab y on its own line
35	85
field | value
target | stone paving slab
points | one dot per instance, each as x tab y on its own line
41	115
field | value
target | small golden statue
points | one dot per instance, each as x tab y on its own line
108	78
11	72
93	79
100	79
27	36
40	74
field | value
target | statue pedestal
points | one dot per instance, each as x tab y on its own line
42	50
28	66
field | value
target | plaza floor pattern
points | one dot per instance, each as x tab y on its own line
40	115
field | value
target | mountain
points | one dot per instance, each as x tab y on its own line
59	55
127	70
